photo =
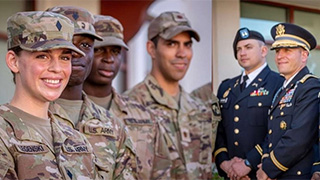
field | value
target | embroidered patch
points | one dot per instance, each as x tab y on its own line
76	149
141	122
32	149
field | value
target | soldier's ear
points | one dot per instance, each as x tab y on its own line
12	61
151	48
264	51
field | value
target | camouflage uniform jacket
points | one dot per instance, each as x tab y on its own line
115	156
26	155
187	128
205	94
144	131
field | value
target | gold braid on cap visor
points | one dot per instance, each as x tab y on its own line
287	40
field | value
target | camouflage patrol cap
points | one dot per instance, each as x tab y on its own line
83	20
169	24
111	30
40	31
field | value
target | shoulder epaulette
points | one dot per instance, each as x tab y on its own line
307	76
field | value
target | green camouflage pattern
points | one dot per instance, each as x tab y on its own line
39	31
144	131
26	155
113	148
82	19
169	24
187	128
210	99
110	29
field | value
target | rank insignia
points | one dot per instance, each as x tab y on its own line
255	84
260	92
280	30
287	97
244	33
237	82
225	94
283	125
185	135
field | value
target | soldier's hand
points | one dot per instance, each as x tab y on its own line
316	176
240	169
261	175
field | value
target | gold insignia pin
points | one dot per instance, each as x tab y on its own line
280	30
225	94
282	106
237	82
283	125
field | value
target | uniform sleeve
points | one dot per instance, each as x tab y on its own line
300	137
7	171
126	166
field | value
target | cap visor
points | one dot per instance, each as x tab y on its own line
84	32
173	31
51	44
111	41
287	44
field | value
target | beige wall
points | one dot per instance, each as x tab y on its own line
226	15
91	5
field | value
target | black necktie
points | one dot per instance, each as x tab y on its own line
243	84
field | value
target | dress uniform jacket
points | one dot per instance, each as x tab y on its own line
244	121
187	127
146	137
26	155
293	129
115	156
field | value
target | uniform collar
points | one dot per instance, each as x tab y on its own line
253	74
159	94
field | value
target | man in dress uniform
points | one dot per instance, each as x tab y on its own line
293	117
141	123
244	102
187	122
115	156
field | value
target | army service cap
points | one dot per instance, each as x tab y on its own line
40	31
111	30
288	35
243	34
83	19
169	24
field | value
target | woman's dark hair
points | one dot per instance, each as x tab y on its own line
155	40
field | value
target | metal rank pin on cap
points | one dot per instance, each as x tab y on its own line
244	33
40	31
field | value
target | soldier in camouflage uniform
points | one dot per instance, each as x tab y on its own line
108	136
205	94
186	122
34	144
141	124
